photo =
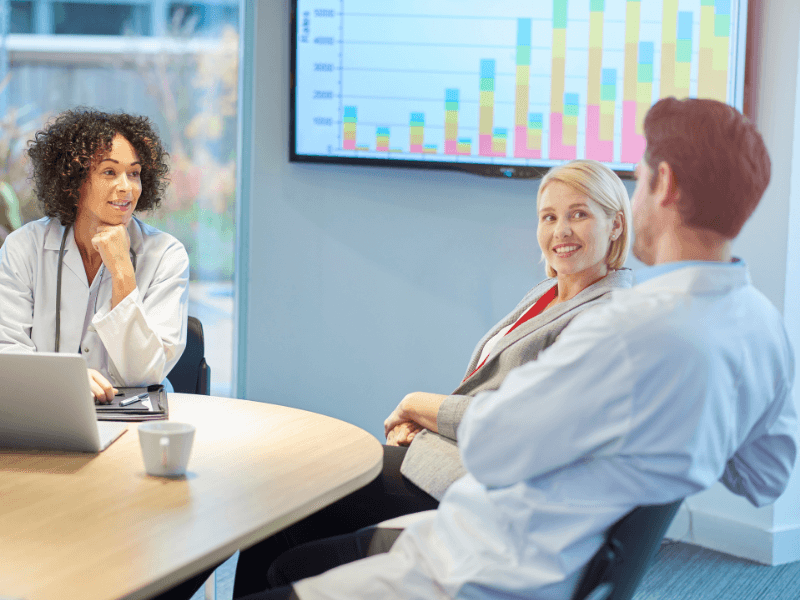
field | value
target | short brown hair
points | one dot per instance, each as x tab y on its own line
717	156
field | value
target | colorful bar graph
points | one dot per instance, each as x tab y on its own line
416	133
349	125
535	126
683	55
486	109
569	133
608	104
632	139
558	147
429	149
499	141
715	29
464	146
669	37
451	121
599	140
382	139
522	93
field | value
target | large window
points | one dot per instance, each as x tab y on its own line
175	62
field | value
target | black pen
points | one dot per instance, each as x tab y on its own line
134	399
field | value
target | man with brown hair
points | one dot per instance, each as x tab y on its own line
681	381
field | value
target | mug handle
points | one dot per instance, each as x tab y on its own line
164	443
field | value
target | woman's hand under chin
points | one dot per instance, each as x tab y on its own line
113	244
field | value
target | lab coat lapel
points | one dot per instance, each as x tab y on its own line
72	256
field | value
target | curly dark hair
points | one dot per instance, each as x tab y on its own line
64	151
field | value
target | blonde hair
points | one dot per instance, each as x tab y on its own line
601	184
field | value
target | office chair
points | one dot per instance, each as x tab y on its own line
192	375
617	568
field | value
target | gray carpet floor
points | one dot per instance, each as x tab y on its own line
680	572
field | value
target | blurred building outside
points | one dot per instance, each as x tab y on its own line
175	62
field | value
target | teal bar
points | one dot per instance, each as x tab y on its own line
523	55
570	110
608	92
487	85
350	114
597	6
500	132
535	120
644	74
451	105
683	51
417	119
559	14
722	25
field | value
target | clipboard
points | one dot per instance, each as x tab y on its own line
153	408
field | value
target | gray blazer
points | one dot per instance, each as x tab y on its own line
433	462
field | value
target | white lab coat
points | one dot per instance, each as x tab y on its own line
676	383
136	343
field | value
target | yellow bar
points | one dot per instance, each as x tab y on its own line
595	30
683	73
632	15
720	62
485	120
557	86
450	131
534	139
559	43
498	146
522	95
668	66
705	75
606	124
487	99
569	136
644	98
595	70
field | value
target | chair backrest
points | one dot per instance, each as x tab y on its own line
631	543
191	374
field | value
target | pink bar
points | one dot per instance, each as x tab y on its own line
521	149
596	148
349	144
485	145
464	153
381	148
451	147
415	148
557	150
633	144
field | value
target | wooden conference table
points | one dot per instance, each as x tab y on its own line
98	527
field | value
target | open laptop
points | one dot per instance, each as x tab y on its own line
46	403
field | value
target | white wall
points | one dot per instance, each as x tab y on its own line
368	283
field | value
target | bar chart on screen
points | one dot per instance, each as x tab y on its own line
517	82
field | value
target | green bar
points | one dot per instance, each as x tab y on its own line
722	25
451	106
523	55
350	120
487	85
683	51
608	92
706	2
559	14
644	74
570	110
597	6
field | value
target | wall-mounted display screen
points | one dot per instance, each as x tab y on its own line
501	88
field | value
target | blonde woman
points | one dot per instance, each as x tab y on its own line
584	234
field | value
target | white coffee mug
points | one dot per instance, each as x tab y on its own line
166	446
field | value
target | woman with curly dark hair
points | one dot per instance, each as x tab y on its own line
90	277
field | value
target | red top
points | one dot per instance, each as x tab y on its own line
534	311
